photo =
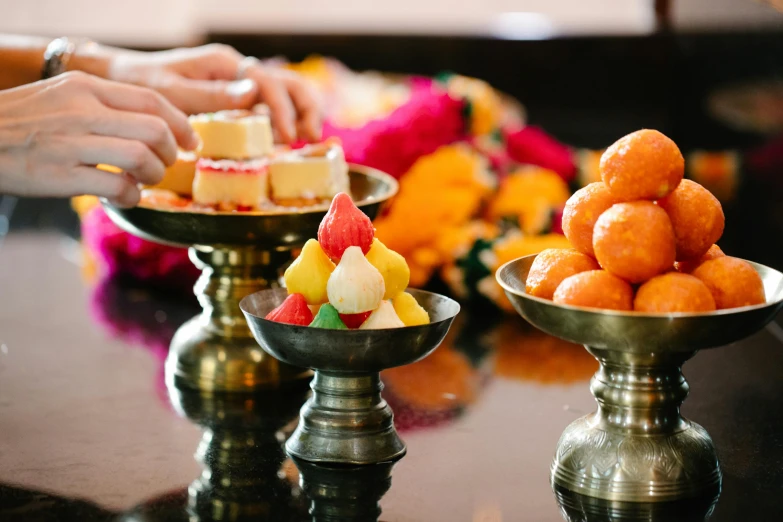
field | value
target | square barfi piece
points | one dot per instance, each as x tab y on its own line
234	135
231	185
310	175
179	177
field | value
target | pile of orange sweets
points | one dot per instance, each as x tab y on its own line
644	239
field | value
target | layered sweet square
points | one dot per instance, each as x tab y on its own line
231	185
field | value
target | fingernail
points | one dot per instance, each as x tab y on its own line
240	88
195	142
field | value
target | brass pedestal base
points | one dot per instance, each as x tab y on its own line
580	508
346	422
637	447
215	351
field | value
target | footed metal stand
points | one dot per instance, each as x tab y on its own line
637	447
239	253
347	415
347	421
579	508
216	350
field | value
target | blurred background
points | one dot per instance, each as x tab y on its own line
705	72
658	59
160	23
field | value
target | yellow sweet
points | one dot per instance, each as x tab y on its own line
382	318
309	274
409	311
392	266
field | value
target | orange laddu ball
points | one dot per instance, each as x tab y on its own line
673	292
551	266
688	266
634	241
642	165
697	219
582	211
595	289
732	282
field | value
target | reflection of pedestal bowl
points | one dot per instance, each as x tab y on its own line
239	253
346	421
581	508
241	453
344	493
242	459
637	447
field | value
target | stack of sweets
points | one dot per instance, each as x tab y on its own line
644	240
348	279
238	168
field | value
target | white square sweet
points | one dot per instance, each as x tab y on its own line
234	135
312	173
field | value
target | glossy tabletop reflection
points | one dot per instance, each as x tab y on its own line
89	431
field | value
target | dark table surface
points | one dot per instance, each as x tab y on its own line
89	432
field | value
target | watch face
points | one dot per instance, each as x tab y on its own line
54	63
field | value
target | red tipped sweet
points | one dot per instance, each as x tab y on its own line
294	310
354	321
344	226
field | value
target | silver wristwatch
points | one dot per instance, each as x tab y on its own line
57	55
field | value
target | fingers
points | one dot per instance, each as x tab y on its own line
308	106
133	157
197	96
273	92
131	98
149	130
17	93
117	188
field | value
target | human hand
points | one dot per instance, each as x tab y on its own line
216	77
53	133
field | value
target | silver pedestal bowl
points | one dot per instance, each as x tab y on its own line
347	421
637	447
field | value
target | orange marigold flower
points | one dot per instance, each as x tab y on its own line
530	194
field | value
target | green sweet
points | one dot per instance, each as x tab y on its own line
328	317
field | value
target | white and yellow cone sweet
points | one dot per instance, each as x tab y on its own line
355	286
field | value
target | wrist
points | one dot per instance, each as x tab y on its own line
92	58
22	59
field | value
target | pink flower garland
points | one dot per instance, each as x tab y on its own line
532	146
428	120
122	253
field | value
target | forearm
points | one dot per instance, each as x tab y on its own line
22	58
